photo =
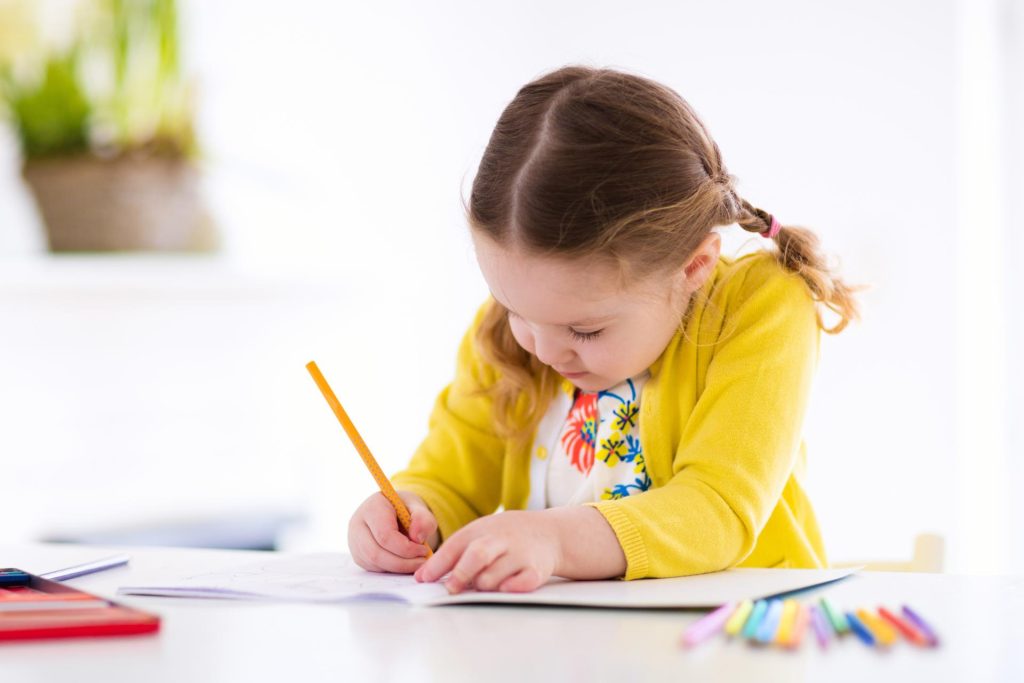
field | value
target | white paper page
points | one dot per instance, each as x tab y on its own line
334	577
327	577
702	590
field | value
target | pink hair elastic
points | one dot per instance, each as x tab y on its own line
771	232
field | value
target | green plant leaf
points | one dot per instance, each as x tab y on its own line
147	105
52	117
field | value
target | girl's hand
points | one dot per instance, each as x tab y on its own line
376	542
513	551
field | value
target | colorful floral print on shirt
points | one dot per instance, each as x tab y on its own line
595	450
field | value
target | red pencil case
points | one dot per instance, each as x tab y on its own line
46	609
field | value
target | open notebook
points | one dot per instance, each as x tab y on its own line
335	578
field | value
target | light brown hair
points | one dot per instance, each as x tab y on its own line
587	162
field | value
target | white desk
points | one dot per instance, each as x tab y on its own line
979	619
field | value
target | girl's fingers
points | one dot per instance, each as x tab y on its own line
394	564
523	581
378	559
478	556
502	568
383	525
423	523
444	559
359	542
395	542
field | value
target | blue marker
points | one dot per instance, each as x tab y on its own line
756	615
14	577
858	627
766	631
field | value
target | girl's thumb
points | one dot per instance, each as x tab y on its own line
423	523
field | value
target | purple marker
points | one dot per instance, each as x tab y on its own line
708	625
921	625
821	628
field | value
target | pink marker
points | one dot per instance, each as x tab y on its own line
803	616
708	625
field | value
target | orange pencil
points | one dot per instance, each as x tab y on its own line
404	518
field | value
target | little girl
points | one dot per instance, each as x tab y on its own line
630	399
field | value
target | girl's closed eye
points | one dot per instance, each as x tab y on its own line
573	332
584	336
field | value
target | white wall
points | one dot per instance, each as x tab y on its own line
1012	79
338	138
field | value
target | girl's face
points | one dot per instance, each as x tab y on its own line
577	317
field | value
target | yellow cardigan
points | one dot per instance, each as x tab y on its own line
720	427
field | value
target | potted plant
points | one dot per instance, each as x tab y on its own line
106	126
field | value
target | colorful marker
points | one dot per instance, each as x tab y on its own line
921	625
820	626
750	628
908	631
859	628
739	617
786	622
803	617
835	617
708	625
884	633
766	630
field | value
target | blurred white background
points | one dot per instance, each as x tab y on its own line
338	138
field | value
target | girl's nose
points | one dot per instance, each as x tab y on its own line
550	350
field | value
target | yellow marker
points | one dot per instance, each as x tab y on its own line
785	632
402	512
738	618
884	634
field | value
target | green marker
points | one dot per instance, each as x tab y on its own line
835	617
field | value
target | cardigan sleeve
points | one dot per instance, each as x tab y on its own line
740	443
457	468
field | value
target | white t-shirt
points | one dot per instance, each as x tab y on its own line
587	447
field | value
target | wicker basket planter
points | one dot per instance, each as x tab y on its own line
123	204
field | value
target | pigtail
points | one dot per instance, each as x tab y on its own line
798	251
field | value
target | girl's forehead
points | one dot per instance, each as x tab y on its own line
552	290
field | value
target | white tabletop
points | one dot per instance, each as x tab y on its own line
978	618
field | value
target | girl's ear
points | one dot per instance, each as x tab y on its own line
701	264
